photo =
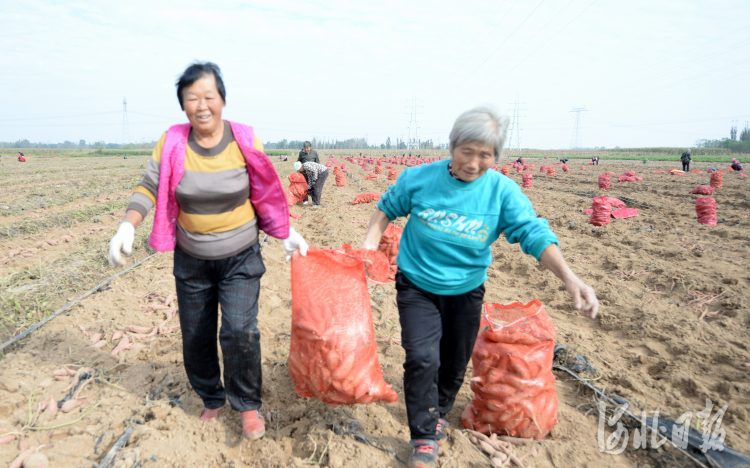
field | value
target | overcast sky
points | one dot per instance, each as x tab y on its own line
650	73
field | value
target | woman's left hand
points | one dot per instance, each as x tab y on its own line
584	297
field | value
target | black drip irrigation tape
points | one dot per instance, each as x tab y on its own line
71	304
352	428
115	448
722	458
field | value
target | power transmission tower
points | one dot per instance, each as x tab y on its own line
515	127
125	126
413	111
576	139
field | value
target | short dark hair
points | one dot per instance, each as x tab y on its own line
307	144
194	73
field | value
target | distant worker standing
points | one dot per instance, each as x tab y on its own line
315	175
595	160
308	155
685	158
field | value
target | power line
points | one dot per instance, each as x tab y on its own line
575	141
413	141
125	127
501	44
515	127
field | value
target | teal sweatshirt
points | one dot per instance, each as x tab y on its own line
445	246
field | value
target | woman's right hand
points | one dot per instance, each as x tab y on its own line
122	242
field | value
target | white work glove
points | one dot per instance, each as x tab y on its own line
292	243
122	241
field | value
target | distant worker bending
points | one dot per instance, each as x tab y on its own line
315	175
308	155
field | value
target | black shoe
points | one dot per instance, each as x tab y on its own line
440	435
425	454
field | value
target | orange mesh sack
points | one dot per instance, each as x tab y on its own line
389	246
366	197
297	190
334	354
340	179
392	174
513	384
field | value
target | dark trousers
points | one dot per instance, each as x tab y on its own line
202	285
317	191
438	334
307	181
686	166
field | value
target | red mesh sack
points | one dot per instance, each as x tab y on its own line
625	178
389	246
630	173
602	211
340	179
565	168
519	169
333	354
705	208
526	167
730	169
366	197
371	176
513	384
378	169
392	174
703	190
297	190
604	182
527	181
615	202
624	213
504	170
543	168
717	180
551	171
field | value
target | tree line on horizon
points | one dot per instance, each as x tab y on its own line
736	143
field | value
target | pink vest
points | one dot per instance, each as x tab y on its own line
266	193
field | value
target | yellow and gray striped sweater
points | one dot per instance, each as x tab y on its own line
216	217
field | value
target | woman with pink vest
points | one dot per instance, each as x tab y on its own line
213	189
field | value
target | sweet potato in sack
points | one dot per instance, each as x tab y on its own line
334	354
513	384
366	197
389	243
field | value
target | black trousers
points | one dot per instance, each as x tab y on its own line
438	334
307	181
202	285
686	166
317	191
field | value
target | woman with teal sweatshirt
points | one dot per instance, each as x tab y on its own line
457	209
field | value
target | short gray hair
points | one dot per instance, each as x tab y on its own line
484	124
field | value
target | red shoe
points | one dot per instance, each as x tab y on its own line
253	426
209	414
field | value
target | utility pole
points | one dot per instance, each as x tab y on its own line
576	139
412	111
125	127
515	127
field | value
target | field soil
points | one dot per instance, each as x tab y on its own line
671	333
